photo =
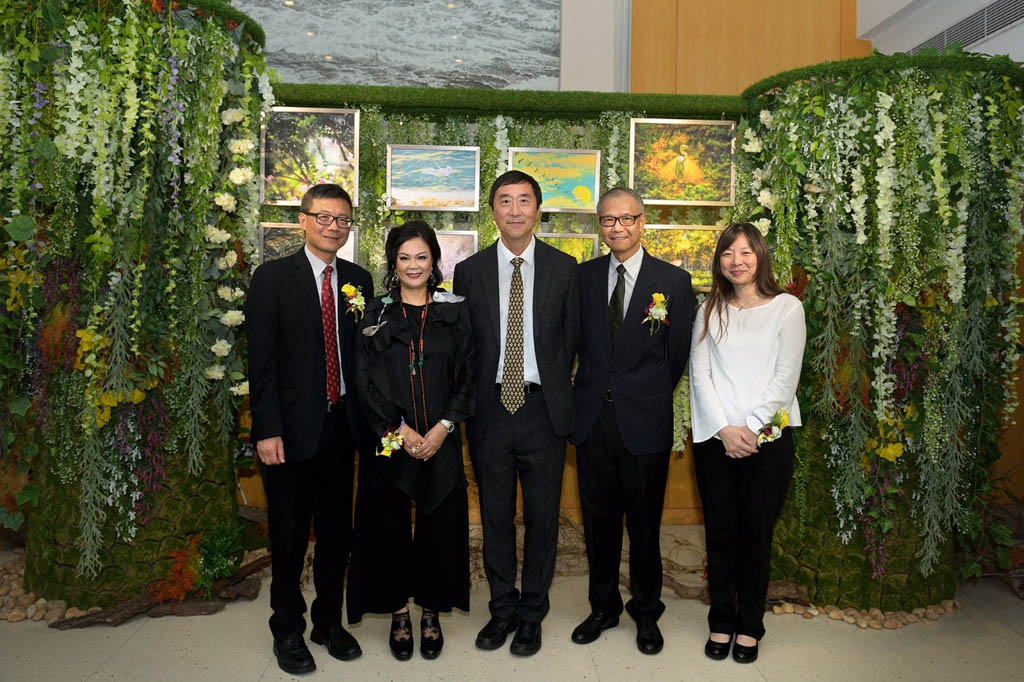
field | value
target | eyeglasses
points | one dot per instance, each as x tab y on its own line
325	219
624	220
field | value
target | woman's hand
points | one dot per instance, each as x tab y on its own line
411	441
739	441
431	442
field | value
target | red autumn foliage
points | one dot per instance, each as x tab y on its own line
181	578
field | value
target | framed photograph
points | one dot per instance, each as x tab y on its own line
304	146
582	247
682	161
433	178
569	178
456	246
691	247
283	239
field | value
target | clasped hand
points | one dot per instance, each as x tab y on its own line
739	441
423	447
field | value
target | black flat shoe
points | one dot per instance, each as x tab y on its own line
648	636
431	637
293	655
400	640
527	639
493	634
717	650
596	623
744	654
339	642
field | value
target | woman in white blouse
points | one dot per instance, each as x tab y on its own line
745	358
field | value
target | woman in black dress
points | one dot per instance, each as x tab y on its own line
413	372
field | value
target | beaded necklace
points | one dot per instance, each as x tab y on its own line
416	367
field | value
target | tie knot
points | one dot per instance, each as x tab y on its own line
620	269
327	271
517	261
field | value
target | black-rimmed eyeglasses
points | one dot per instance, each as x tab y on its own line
624	220
325	219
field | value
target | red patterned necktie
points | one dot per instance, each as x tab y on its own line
330	337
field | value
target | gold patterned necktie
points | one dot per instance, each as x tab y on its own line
512	394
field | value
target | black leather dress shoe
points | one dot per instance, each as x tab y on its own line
744	654
339	642
494	633
400	640
527	639
430	647
648	636
596	623
717	650
293	656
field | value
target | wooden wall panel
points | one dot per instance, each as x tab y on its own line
653	46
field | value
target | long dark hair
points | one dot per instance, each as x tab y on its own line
400	235
722	290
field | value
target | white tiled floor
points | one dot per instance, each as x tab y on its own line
983	642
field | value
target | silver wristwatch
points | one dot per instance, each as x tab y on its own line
450	426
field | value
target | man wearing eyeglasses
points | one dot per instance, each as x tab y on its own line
636	314
305	424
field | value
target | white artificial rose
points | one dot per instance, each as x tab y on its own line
241	146
229	116
225	293
232	318
221	348
215	372
226	201
216	235
240	389
240	176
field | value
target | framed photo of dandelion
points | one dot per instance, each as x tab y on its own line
283	239
569	178
682	162
304	146
582	247
433	178
691	247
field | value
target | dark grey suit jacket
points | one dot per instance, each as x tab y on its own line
555	330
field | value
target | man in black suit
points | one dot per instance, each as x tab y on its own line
301	332
523	306
629	365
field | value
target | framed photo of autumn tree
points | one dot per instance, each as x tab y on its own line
690	247
683	162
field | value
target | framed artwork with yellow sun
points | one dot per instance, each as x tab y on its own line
568	178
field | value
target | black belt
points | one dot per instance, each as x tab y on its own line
332	407
528	387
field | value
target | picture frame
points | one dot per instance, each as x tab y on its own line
683	162
456	246
569	179
582	247
433	178
304	146
283	239
691	247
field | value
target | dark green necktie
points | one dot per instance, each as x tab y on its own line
615	305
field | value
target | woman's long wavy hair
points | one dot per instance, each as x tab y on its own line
400	235
722	291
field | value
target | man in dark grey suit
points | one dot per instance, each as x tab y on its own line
524	308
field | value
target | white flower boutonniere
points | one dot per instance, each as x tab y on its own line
389	442
354	300
657	312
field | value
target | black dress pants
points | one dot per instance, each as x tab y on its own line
742	499
613	483
522	445
317	490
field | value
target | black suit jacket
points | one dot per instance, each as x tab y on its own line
555	330
287	371
642	369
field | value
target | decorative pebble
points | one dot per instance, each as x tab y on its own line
932	613
41	602
948	608
849	619
875	613
813	611
862	623
16	616
835	614
31	611
94	609
799	609
874	624
892	624
808	614
912	618
919	611
38	615
787	607
51	619
851	612
73	612
56	604
18	592
4	589
777	610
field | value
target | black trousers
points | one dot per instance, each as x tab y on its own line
317	490
613	483
742	499
522	446
391	563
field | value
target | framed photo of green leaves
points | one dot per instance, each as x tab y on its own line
569	179
582	247
278	240
433	178
691	247
683	162
306	146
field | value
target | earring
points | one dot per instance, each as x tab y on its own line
432	280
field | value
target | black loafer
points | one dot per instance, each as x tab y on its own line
648	636
717	650
527	639
339	642
293	656
744	654
596	623
401	648
493	634
430	647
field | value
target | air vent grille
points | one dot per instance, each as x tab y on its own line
978	26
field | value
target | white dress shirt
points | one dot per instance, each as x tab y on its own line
747	375
318	271
528	270
632	264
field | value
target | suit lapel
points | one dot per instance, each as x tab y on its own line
597	293
346	322
642	290
541	273
489	273
307	286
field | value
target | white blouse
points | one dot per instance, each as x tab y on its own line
744	377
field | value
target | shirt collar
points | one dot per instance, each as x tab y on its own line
505	256
632	263
317	264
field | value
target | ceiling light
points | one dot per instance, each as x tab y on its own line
328	57
289	3
310	34
458	60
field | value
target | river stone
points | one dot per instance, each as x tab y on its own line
919	612
787	607
892	624
56	604
808	614
31	611
875	613
16	616
835	614
911	618
17	592
849	619
799	609
874	624
862	623
777	609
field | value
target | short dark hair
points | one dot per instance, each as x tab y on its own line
514	177
401	234
327	190
621	190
